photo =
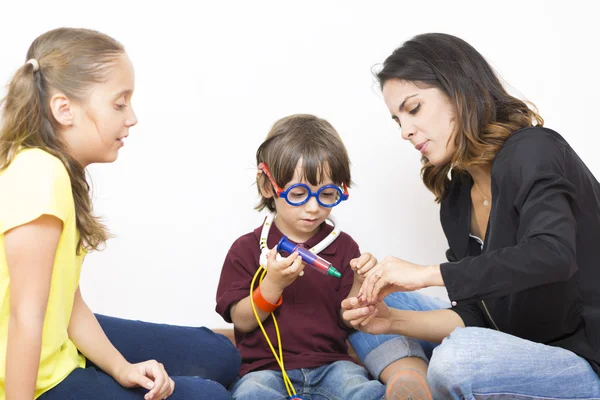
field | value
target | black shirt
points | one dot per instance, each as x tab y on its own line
538	275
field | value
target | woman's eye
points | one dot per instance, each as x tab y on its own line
415	110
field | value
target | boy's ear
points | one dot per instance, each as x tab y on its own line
266	191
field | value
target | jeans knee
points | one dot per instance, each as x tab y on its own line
259	385
231	366
192	387
452	362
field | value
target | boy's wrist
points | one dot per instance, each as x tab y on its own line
270	291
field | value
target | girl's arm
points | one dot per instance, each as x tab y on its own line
30	252
90	339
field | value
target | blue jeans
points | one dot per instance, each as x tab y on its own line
200	362
341	380
478	363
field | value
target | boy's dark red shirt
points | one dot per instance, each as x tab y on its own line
312	332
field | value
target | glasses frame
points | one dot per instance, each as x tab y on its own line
344	195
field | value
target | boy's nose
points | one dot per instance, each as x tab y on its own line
312	204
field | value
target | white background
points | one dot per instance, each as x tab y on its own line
211	79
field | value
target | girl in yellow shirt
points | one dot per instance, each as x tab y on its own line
67	107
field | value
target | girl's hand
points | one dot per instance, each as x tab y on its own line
362	265
148	374
281	273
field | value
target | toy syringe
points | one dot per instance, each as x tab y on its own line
309	258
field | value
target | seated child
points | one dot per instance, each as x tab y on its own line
304	171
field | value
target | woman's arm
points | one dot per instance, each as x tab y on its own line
432	326
396	275
30	252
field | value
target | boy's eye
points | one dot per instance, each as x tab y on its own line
298	194
329	193
120	106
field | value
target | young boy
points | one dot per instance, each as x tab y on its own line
304	171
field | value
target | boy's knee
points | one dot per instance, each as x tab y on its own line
257	385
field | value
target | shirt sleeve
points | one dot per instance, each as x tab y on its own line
35	184
533	172
236	276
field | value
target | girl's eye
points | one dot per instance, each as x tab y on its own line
415	110
120	106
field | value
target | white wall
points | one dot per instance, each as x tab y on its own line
213	77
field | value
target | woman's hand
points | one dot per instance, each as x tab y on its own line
396	275
148	374
374	319
362	265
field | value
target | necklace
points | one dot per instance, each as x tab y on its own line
486	202
334	234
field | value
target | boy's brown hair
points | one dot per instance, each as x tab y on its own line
301	137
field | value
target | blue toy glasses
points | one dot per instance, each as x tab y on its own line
299	193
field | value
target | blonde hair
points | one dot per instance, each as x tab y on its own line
70	60
306	137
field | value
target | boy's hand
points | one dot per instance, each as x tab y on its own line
281	273
362	265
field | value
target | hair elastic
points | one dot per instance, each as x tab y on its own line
34	63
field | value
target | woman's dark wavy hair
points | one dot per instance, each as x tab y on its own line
485	115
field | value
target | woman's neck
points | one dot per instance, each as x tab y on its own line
482	175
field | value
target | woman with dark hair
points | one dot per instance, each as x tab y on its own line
521	213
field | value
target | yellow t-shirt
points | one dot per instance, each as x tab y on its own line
34	184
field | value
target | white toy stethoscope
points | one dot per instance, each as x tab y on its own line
264	251
322	245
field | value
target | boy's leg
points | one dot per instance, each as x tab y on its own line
184	351
93	384
487	364
379	351
264	385
341	380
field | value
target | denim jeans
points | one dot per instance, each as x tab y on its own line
479	363
200	362
341	380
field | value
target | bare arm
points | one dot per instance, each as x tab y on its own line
242	315
90	339
30	252
361	266
432	326
280	274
